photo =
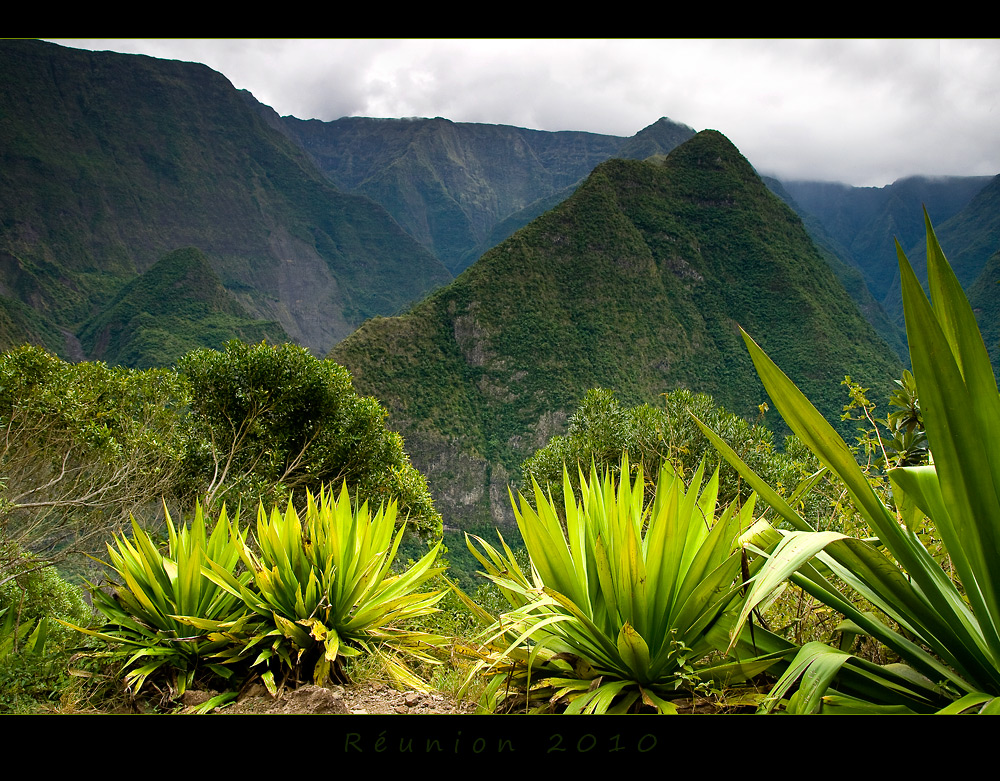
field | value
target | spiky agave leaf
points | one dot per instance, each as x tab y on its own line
324	590
960	492
162	601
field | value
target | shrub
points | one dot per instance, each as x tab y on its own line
322	590
151	611
601	429
81	447
270	420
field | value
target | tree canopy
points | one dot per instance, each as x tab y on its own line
268	421
601	429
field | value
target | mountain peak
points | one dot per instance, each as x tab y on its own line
722	171
657	139
636	283
710	149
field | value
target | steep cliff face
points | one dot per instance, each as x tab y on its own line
449	184
635	283
109	161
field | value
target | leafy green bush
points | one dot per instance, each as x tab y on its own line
620	610
267	420
945	633
34	649
81	447
601	429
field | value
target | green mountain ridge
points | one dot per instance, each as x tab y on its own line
110	161
849	275
971	238
866	222
449	184
176	306
637	283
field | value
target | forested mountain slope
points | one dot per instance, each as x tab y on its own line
635	283
110	161
449	184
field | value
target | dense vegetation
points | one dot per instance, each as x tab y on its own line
635	283
178	305
651	574
633	599
85	445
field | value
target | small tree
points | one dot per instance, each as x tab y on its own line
270	420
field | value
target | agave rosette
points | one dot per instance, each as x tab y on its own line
621	605
153	610
322	589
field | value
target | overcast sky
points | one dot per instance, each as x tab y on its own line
865	112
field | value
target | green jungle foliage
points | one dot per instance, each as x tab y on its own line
601	429
85	446
270	421
35	650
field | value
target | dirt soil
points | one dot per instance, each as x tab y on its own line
365	698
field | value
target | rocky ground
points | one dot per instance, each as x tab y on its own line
361	699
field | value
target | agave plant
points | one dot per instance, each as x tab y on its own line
151	609
620	608
322	590
946	634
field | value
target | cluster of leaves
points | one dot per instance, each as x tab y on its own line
81	447
620	610
267	421
942	629
904	442
294	601
34	649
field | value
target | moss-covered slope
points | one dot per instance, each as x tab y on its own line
177	306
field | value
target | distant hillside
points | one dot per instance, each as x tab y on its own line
866	221
839	259
110	161
449	184
177	306
635	283
969	238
